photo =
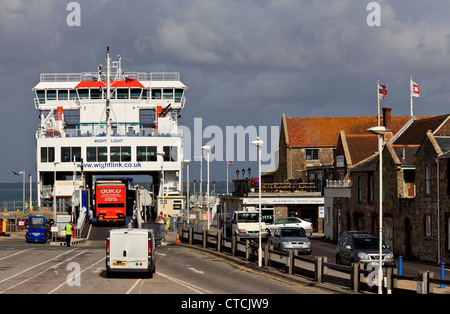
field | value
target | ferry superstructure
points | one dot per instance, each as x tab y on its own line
109	122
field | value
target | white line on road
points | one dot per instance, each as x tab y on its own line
185	284
29	268
40	273
135	284
65	282
15	254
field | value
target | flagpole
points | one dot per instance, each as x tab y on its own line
227	177
378	98
410	95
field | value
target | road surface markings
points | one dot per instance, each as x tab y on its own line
65	282
185	284
29	268
40	273
15	254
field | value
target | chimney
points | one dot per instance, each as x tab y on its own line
387	123
387	117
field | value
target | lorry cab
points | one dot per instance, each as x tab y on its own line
130	250
37	229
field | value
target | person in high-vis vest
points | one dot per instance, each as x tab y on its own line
68	233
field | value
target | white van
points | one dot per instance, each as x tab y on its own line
130	250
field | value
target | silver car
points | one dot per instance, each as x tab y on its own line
290	222
291	238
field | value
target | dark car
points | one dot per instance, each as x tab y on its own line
355	246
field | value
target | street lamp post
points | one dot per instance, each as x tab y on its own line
23	187
258	143
207	149
187	188
380	131
162	154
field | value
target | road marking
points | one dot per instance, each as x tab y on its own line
196	271
135	284
65	282
185	284
15	254
53	267
35	266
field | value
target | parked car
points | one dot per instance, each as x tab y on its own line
290	222
291	238
355	246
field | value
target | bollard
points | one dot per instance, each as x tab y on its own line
400	266
442	274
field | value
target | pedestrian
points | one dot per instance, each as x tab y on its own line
130	224
68	233
161	219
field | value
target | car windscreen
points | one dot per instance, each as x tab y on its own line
292	232
371	243
248	217
36	222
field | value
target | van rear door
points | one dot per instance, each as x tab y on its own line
129	250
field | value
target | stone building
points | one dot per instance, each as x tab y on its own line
416	213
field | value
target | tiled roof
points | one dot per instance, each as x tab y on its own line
324	131
361	146
415	134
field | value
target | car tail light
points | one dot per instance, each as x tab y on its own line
107	247
149	247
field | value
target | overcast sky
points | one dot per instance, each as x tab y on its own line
244	62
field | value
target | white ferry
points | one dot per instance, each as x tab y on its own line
110	122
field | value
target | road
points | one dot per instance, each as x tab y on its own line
47	269
321	248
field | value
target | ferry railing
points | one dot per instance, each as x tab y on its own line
87	76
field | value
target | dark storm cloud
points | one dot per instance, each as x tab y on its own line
245	62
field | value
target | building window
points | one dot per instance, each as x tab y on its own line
69	154
146	153
120	153
312	154
97	154
427	180
370	188
427	225
171	153
359	189
47	154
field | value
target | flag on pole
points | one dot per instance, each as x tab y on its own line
415	92
382	91
230	163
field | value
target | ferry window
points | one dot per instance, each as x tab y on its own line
146	153
71	117
178	95
147	117
167	93
135	93
69	154
41	96
94	154
83	93
122	93
145	94
73	94
156	94
171	153
47	154
51	95
96	93
120	153
63	95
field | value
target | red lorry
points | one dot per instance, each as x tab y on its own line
110	202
